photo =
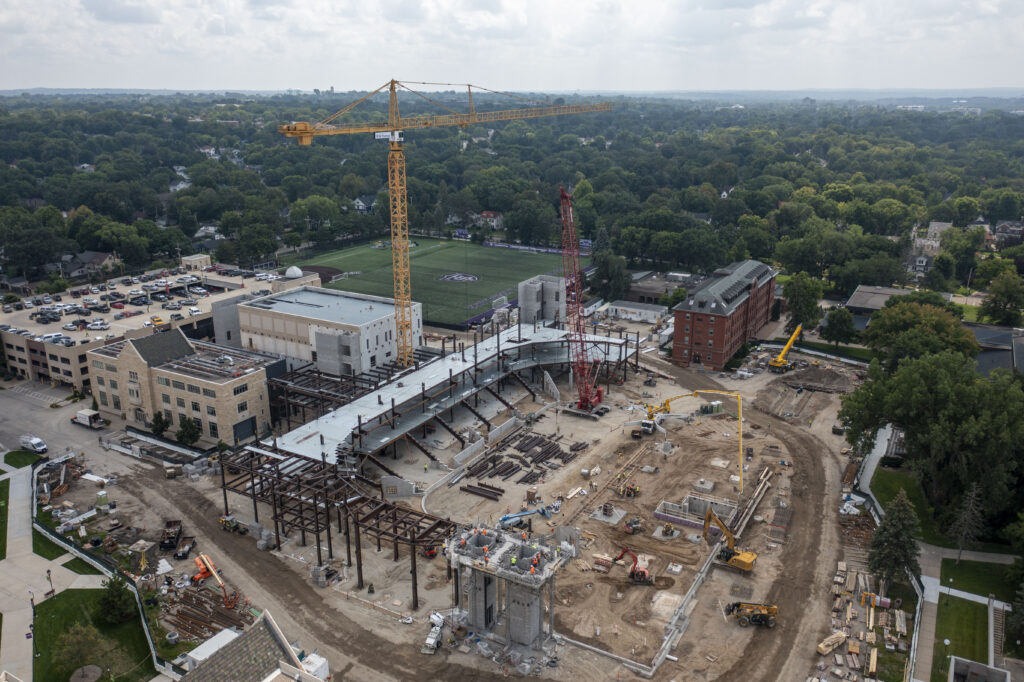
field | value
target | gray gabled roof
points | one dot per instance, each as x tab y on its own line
162	347
253	655
726	288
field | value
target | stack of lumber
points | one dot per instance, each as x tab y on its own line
827	645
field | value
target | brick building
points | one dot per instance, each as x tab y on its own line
724	312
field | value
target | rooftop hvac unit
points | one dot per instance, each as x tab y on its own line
226	360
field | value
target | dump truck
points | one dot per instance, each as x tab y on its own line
185	546
171	535
88	418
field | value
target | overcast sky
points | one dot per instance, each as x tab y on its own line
549	45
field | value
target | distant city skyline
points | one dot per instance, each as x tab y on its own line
601	45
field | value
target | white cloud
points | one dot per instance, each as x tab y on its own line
122	11
512	44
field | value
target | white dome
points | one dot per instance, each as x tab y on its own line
294	272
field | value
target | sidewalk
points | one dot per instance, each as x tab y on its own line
24	572
931	571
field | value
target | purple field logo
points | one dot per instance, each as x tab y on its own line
460	277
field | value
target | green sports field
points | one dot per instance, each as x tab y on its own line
497	272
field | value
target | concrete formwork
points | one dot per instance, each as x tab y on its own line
693	508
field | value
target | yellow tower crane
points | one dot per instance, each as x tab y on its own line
391	130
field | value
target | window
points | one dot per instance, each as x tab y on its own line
687	315
241	388
710	343
181	419
116	400
111	368
11	346
163	381
180	385
99	381
228	338
133	376
209	393
711	319
165	399
180	402
54	369
81	359
168	416
133	393
211	410
195	406
113	384
103	398
687	328
686	339
373	361
199	423
193	389
711	332
213	430
53	357
98	364
243	407
65	361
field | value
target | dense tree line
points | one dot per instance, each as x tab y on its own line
830	190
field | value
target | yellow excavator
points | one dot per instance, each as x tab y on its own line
779	364
729	555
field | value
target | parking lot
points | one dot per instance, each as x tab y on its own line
111	309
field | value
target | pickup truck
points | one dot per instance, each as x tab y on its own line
171	535
185	546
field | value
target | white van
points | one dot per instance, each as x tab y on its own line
193	311
33	444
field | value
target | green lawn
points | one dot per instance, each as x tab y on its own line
853	352
81	567
965	624
886	485
979	577
124	646
45	547
20	458
5	492
498	272
970	312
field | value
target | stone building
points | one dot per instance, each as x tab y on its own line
224	390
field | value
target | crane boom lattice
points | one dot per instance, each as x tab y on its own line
584	371
304	132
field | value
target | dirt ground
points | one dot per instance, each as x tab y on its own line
795	574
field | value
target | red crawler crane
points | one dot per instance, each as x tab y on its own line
584	372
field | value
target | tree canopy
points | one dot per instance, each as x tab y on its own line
912	330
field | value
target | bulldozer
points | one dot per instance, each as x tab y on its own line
231	525
639	574
728	555
749	613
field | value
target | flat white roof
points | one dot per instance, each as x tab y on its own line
337	426
327	305
212	645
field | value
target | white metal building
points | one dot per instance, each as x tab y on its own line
343	332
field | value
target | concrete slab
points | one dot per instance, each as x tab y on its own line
614	519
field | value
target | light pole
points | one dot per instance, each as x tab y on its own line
946	653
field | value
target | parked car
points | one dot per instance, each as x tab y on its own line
57	297
8	308
117	304
177	316
132	313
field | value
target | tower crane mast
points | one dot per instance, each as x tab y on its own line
584	371
391	130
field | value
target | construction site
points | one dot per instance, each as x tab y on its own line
519	499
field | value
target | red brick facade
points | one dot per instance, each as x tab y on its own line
710	329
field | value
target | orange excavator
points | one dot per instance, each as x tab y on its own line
206	570
639	574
